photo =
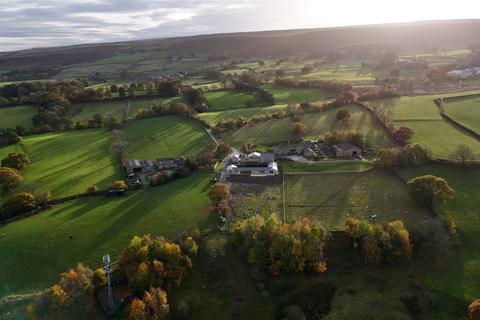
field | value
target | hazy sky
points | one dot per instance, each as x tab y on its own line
40	23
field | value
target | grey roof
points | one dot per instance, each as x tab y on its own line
344	146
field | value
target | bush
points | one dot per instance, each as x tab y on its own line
20	203
93	189
474	310
9	178
159	178
429	190
119	185
16	161
343	114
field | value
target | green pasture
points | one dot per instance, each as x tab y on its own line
34	251
273	131
326	166
333	197
10	117
455	282
214	117
465	111
67	163
285	95
169	136
225	100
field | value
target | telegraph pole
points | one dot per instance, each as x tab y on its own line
108	273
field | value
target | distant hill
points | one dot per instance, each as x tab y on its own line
253	44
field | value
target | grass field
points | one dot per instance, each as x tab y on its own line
82	111
422	115
332	197
455	283
285	95
164	137
276	130
19	115
34	251
214	117
465	111
68	162
326	166
225	100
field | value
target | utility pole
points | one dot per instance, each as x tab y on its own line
108	273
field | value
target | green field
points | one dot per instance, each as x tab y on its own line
34	251
276	130
332	197
82	111
422	115
68	162
465	111
225	100
326	166
452	285
214	117
284	95
164	137
10	117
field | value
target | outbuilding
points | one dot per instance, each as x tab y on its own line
346	150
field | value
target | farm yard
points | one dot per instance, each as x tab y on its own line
271	132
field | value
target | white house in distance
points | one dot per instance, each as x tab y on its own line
465	73
254	164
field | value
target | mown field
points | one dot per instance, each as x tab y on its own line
214	117
285	95
67	163
465	111
332	197
225	100
82	111
34	251
169	136
10	117
326	166
453	284
422	115
273	131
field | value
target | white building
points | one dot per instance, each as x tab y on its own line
254	164
465	73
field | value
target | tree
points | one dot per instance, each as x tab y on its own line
474	310
121	92
156	303
16	161
93	189
415	154
159	178
387	158
223	149
343	114
43	197
429	190
462	152
219	192
299	129
137	310
403	135
20	203
9	178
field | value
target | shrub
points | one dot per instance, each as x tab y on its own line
474	310
429	190
20	203
299	129
9	178
93	189
218	193
159	178
16	161
118	185
343	114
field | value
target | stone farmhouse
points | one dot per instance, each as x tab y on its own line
254	164
147	167
346	150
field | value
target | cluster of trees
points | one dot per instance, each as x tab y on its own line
350	136
35	73
71	298
281	248
250	82
464	153
163	177
195	98
412	154
429	191
381	244
9	136
219	196
23	202
180	109
152	267
330	85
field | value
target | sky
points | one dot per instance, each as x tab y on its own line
44	23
